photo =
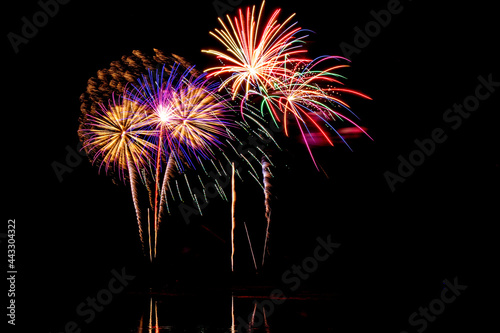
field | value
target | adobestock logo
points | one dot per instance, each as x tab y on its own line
363	36
452	117
89	309
74	157
293	278
39	19
426	315
225	6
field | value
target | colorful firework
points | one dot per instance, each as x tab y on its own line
117	137
257	56
187	114
311	99
267	65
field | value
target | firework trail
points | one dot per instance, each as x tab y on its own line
116	137
168	175
267	200
156	191
233	207
133	180
149	237
151	93
250	243
163	199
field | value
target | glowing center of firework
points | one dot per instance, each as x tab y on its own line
163	114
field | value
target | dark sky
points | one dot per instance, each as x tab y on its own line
396	245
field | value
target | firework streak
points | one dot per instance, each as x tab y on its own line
233	207
250	243
267	201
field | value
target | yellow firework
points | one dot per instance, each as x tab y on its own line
117	138
197	121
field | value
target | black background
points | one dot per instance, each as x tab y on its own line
396	247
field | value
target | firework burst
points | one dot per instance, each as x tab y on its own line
257	56
188	116
311	98
116	138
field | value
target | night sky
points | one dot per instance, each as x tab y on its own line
397	244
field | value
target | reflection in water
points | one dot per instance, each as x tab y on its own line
149	321
238	311
253	316
152	324
232	315
252	326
